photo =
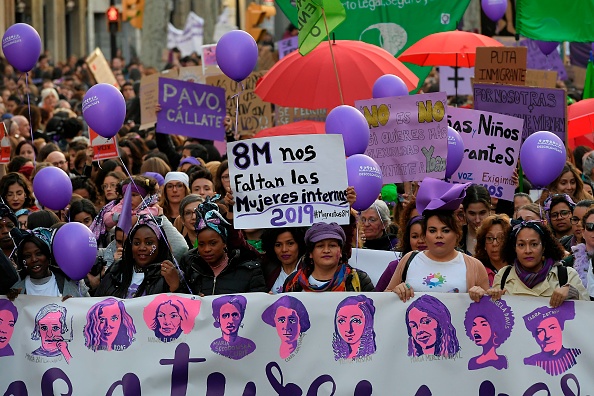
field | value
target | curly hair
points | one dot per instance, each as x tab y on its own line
497	313
552	247
92	329
481	236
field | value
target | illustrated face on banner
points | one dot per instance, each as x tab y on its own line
287	324
481	331
423	329
109	326
549	335
7	322
50	329
169	320
230	319
350	322
110	320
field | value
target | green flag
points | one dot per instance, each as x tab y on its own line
589	84
312	29
393	25
555	20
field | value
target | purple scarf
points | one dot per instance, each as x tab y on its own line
531	279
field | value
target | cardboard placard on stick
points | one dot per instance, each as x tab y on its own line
502	65
149	96
99	66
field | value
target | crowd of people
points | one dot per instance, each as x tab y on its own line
182	237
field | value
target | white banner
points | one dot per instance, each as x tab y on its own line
295	344
374	262
189	39
288	181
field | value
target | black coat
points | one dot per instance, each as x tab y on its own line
243	274
113	283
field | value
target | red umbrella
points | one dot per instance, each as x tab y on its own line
310	81
294	128
455	48
580	118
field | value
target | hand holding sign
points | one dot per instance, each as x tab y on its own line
542	157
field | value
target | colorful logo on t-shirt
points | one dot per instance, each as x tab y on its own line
434	280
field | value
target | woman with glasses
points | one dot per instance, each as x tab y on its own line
489	243
583	238
177	186
376	228
535	268
558	209
186	222
109	188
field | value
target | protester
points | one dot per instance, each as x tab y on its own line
283	248
491	237
376	228
477	206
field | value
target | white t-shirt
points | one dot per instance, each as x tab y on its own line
426	275
137	278
47	287
280	281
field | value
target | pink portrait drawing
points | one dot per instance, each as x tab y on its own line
50	327
354	336
109	326
546	325
8	319
488	324
170	316
290	318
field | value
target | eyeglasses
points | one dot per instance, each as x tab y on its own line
491	240
371	220
110	185
589	227
188	213
171	186
523	245
574	220
562	214
225	177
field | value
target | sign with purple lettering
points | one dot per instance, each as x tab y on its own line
408	135
542	109
288	45
191	109
288	181
491	149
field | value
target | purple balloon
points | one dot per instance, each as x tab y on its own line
455	152
104	109
351	124
494	9
365	175
543	157
21	45
75	249
547	46
388	86
237	54
52	188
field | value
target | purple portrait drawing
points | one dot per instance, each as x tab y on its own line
228	313
8	318
109	326
488	324
546	325
50	326
430	330
170	316
354	336
290	318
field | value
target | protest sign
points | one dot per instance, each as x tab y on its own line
4	144
98	65
191	109
541	78
408	135
149	97
542	109
491	149
505	65
209	59
189	39
449	77
254	113
288	181
191	74
286	46
357	344
287	115
103	148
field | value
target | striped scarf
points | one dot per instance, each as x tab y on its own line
337	283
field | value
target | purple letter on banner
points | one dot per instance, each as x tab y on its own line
191	109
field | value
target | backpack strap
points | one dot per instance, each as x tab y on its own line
504	276
405	270
562	275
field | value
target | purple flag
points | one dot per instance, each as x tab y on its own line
125	220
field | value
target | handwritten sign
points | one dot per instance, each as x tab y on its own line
288	45
491	149
98	65
191	74
542	109
254	113
287	115
103	148
4	144
541	78
149	97
408	135
505	65
191	109
288	181
449	77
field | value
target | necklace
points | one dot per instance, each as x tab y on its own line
138	270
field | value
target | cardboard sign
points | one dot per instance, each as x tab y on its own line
288	181
287	115
505	65
209	59
449	76
541	78
4	144
191	109
491	149
103	148
149	97
254	113
191	74
99	66
288	45
543	109
408	135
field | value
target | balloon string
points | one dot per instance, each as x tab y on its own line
236	96
181	273
30	121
